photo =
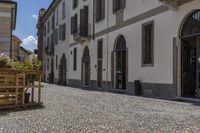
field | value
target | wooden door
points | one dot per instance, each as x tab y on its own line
87	73
121	70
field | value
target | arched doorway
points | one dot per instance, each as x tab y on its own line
86	66
62	71
190	55
120	72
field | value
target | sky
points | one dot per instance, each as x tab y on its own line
27	15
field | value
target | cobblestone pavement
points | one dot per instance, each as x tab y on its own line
73	110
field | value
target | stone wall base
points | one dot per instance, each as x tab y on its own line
153	90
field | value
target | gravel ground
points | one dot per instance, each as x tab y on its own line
79	111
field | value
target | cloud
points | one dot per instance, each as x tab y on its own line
35	16
30	42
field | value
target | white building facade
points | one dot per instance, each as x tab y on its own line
127	45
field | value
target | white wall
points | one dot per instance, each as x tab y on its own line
166	28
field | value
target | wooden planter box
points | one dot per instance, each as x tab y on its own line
13	86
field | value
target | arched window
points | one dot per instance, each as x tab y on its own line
121	44
191	25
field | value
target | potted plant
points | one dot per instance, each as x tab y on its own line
5	60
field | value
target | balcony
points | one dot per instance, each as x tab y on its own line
83	34
174	4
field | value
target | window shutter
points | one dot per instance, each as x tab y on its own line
63	32
56	36
84	21
60	32
72	25
102	9
75	26
114	5
97	9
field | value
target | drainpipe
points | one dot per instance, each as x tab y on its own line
107	44
93	30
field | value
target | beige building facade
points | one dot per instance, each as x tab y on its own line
15	47
140	47
8	9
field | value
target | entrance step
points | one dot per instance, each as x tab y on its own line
188	99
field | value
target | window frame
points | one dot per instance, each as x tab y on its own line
48	27
74	24
57	16
100	41
118	10
101	12
143	44
56	62
63	10
73	5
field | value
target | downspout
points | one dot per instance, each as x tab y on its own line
93	30
107	44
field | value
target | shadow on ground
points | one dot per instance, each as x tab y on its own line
6	112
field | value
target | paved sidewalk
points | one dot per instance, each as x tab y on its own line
73	110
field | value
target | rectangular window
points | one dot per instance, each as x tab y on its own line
100	10
52	22
63	32
84	21
75	59
60	32
48	27
48	41
57	16
148	44
52	44
56	62
56	36
74	24
44	30
63	10
100	49
118	5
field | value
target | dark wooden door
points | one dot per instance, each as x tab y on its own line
121	69
189	67
87	73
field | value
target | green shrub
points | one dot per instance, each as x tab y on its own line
33	64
